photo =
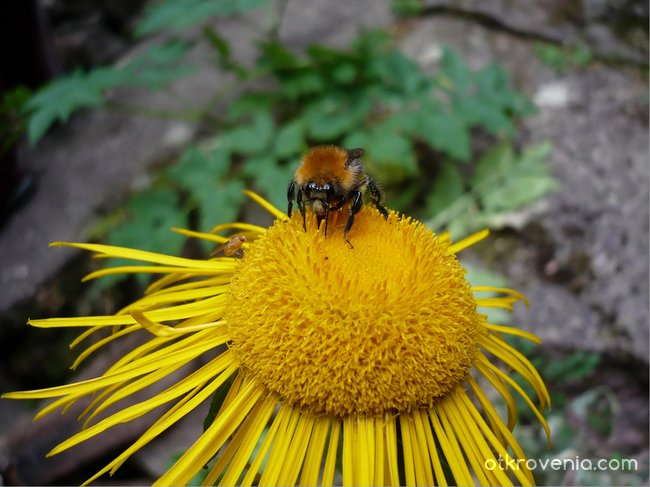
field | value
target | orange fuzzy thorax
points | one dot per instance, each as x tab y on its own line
325	164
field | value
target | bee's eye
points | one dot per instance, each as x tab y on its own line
311	185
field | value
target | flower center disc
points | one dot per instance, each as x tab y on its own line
390	324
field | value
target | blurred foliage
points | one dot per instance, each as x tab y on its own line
561	58
418	129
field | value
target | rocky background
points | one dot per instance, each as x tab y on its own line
580	255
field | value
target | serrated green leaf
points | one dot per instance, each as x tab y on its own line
390	155
356	139
251	103
454	74
494	162
275	56
196	170
447	188
446	132
290	139
223	51
273	182
252	139
301	82
257	167
220	204
59	99
399	73
333	116
504	182
479	110
516	191
177	15
152	215
159	65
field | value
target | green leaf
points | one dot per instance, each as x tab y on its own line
454	74
333	116
59	99
290	140
159	65
152	215
390	155
276	57
271	178
196	170
446	132
251	139
300	83
251	103
479	110
494	162
223	51
406	8
178	15
219	204
447	188
399	73
508	182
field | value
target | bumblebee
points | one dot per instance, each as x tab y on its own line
328	178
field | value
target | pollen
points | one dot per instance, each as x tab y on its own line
389	324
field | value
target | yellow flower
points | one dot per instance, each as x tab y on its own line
372	357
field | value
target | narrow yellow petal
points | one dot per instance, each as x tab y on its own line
423	420
278	454
297	450
518	362
314	457
160	330
246	440
130	413
213	438
365	453
202	235
278	425
468	241
509	330
522	393
407	449
100	343
266	205
523	475
143	269
143	255
391	450
348	457
246	227
380	451
330	460
465	442
421	446
503	290
501	388
500	429
450	447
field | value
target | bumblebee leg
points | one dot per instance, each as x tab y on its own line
291	195
354	209
301	207
376	195
327	217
